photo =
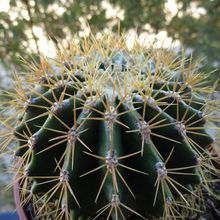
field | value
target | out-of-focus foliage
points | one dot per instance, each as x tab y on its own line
196	23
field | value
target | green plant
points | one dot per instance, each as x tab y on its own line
109	132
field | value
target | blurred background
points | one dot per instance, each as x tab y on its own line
33	27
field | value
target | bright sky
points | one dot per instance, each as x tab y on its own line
161	38
4	5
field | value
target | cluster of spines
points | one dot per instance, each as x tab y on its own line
146	107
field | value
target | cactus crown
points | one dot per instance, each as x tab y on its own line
107	131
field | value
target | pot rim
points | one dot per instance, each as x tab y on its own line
216	153
19	208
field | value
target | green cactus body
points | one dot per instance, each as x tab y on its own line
111	132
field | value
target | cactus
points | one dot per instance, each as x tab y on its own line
109	132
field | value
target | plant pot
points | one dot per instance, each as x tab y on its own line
216	154
19	208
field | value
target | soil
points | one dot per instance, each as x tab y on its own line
212	205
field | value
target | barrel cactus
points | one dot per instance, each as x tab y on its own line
104	131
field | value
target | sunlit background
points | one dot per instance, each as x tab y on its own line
32	27
37	33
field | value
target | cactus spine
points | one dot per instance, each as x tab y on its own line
105	131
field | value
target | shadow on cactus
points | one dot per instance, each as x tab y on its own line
107	132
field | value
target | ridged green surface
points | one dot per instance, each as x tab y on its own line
112	132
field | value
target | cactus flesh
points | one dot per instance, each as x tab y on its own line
110	132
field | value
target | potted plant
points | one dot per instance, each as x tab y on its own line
109	132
